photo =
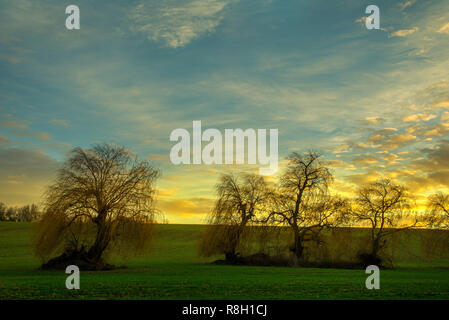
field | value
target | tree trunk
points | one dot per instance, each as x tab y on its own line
297	243
231	257
375	248
299	247
101	242
372	258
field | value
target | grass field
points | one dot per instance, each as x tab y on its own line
174	271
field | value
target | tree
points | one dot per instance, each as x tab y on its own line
380	204
101	196
438	205
11	214
2	211
28	213
34	212
302	201
241	199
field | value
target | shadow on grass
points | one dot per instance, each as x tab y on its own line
261	259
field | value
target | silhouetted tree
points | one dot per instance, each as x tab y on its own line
2	211
438	205
100	196
381	205
302	201
241	199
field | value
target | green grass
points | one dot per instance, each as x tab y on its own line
173	271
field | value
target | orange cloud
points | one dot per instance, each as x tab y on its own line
397	141
418	117
404	32
444	28
374	119
441	104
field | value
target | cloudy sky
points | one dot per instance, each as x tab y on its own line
374	102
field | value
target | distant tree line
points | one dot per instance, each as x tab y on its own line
26	213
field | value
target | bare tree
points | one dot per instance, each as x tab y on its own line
241	199
28	213
438	205
302	201
104	189
3	209
11	214
381	205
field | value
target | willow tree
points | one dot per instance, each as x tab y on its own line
302	200
101	197
241	199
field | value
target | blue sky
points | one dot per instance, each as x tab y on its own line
374	102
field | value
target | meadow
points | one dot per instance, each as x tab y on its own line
173	270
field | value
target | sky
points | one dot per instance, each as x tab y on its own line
375	103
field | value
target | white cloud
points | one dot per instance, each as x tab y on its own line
177	24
